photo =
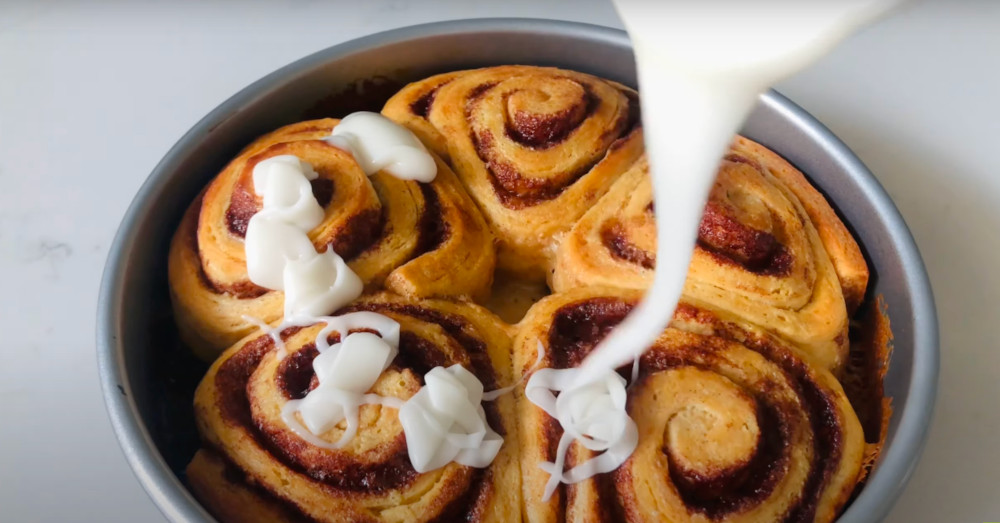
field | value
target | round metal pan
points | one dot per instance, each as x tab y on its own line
148	383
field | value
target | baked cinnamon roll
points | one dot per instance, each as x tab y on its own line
254	465
770	250
732	424
413	238
536	147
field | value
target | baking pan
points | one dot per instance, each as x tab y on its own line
148	381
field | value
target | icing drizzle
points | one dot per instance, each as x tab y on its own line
444	421
378	143
593	415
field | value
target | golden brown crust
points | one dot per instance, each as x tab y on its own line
534	146
411	105
238	405
840	245
229	497
769	250
416	239
732	424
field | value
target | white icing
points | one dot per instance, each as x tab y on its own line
313	286
377	143
345	372
387	327
274	333
699	74
494	394
279	253
355	363
269	244
445	422
283	184
319	285
593	415
350	408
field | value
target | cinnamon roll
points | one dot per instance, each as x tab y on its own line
253	466
770	250
536	147
731	425
415	239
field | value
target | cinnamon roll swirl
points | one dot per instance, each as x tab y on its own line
770	250
253	466
415	239
733	425
536	147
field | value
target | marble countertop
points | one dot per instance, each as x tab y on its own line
93	94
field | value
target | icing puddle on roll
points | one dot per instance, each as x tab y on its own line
701	74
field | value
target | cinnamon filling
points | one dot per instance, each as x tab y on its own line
471	504
536	131
628	123
739	158
476	93
335	470
552	432
242	206
575	331
359	234
727	239
743	485
295	376
243	203
827	446
733	242
422	105
515	190
633	119
418	355
541	131
608	504
578	327
740	485
189	229
432	228
614	238
822	413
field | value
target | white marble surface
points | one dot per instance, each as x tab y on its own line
92	95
